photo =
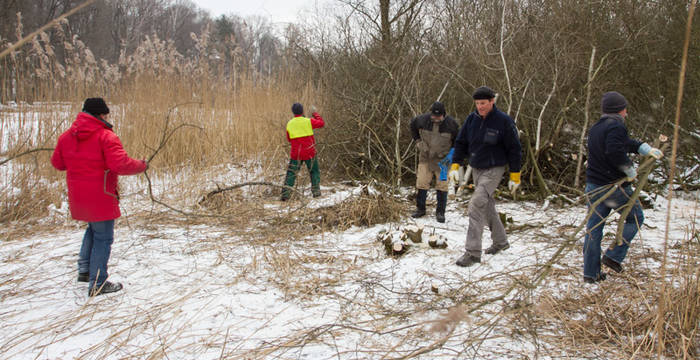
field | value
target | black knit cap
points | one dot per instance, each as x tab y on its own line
437	109
297	109
95	106
613	102
483	93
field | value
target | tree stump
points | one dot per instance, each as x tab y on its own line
437	241
413	233
392	245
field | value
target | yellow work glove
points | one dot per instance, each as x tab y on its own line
453	175
514	182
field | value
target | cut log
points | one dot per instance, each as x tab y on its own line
394	246
437	241
413	233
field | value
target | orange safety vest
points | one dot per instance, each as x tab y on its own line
299	127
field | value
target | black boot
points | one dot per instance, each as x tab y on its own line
600	278
616	266
441	205
106	288
420	203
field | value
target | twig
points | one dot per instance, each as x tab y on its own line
167	135
648	166
24	153
251	183
679	100
223	347
53	22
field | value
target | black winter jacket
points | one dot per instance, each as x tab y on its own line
489	142
608	146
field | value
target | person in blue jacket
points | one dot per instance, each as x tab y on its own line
489	139
608	164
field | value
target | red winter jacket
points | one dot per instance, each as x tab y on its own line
93	157
304	148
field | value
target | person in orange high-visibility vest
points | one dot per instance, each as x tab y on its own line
300	134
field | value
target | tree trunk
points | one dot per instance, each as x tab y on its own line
579	160
386	26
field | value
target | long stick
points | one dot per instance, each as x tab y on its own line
644	170
679	99
53	22
24	153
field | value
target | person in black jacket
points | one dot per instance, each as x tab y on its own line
608	164
434	134
489	139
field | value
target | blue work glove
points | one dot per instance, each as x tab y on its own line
444	164
646	149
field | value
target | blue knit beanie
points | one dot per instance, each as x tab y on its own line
613	102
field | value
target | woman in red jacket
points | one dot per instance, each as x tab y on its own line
93	157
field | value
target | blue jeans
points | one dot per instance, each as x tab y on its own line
94	253
596	223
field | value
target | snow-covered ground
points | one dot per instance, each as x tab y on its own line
210	289
20	128
267	279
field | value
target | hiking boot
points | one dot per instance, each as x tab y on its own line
612	264
83	277
418	213
441	205
495	249
468	260
420	204
106	288
590	280
316	193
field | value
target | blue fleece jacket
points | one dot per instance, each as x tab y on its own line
489	142
608	146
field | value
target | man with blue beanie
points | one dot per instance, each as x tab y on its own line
608	164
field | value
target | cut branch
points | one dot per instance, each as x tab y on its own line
24	153
53	22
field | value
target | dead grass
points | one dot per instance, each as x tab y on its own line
365	210
617	319
221	119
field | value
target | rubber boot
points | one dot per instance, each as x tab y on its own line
420	203
441	205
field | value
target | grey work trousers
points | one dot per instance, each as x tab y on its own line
482	210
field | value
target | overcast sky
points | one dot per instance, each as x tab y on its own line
275	10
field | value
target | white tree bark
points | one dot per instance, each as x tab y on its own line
579	160
544	107
503	58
